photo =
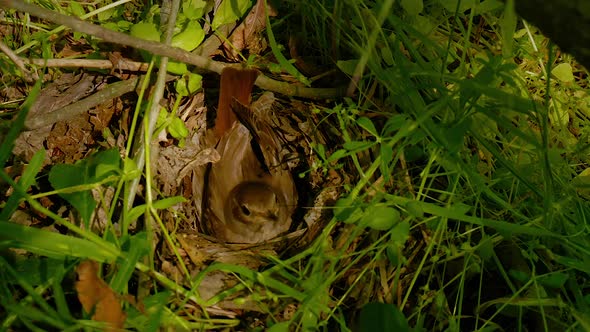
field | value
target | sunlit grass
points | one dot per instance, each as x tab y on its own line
496	141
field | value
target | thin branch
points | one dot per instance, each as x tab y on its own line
30	77
156	48
112	91
88	63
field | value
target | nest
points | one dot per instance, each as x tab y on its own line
301	130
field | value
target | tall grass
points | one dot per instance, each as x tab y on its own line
486	166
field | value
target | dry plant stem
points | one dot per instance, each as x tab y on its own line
112	91
86	63
161	49
30	77
143	153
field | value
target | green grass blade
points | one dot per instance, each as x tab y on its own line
18	125
26	180
53	245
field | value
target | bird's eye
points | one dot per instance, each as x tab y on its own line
245	210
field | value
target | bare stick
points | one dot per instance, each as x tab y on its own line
18	62
87	63
112	91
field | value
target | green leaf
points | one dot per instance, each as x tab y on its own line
163	120
347	211
104	164
414	209
188	84
37	315
145	30
107	14
165	203
54	245
554	280
412	7
63	176
395	123
563	72
380	218
394	255
230	11
382	317
487	6
134	248
519	275
367	125
189	38
130	169
338	154
193	9
76	9
357	145
181	88
279	327
558	114
124	25
320	149
177	68
135	212
113	26
574	263
177	128
400	233
86	171
168	202
155	312
387	55
347	66
195	82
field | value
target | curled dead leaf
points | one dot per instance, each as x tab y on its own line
97	297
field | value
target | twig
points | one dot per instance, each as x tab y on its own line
112	91
30	77
143	154
156	48
86	63
140	153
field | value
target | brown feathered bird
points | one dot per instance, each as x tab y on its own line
250	196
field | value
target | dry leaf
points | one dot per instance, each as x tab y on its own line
248	35
96	296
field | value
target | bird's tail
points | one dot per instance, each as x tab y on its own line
236	84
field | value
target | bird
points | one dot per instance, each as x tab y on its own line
250	195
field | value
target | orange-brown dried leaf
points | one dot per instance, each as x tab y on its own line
248	35
96	296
